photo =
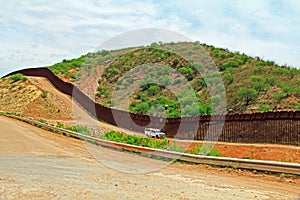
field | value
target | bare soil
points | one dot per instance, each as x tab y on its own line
36	164
274	152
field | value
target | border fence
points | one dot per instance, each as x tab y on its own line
268	127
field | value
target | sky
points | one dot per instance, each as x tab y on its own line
40	33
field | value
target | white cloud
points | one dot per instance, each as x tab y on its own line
70	28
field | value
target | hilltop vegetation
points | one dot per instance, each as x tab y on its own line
157	81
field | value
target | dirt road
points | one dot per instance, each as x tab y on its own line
36	164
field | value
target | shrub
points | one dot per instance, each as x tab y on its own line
164	80
259	70
146	83
187	72
153	90
297	92
44	94
102	91
42	121
177	81
201	83
216	99
279	96
292	72
79	129
191	110
229	77
287	89
280	70
271	80
259	83
137	140
298	107
73	76
18	77
247	94
230	64
141	141
141	96
205	150
172	113
142	108
264	108
205	109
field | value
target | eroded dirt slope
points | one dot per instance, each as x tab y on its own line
31	99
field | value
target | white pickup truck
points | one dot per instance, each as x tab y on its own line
154	133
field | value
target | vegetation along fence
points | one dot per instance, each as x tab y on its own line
269	127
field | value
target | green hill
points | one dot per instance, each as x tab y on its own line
155	79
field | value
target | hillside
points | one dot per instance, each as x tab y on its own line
26	96
251	84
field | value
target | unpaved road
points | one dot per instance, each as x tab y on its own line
36	164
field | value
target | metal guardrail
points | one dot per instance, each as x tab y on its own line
262	165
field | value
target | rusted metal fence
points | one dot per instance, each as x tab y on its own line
269	127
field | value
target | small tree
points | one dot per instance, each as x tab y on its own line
247	94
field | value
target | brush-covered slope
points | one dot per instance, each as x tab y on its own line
145	79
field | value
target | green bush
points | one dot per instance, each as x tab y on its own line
293	72
155	143
102	91
205	150
201	83
76	128
191	110
187	72
271	80
177	81
229	64
136	140
141	97
164	81
44	94
42	121
146	83
264	108
297	92
18	77
280	71
287	89
259	70
298	107
229	77
279	96
141	108
259	83
79	129
216	99
153	90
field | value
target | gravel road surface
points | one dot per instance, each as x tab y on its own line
36	164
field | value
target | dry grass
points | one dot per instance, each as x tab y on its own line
15	97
